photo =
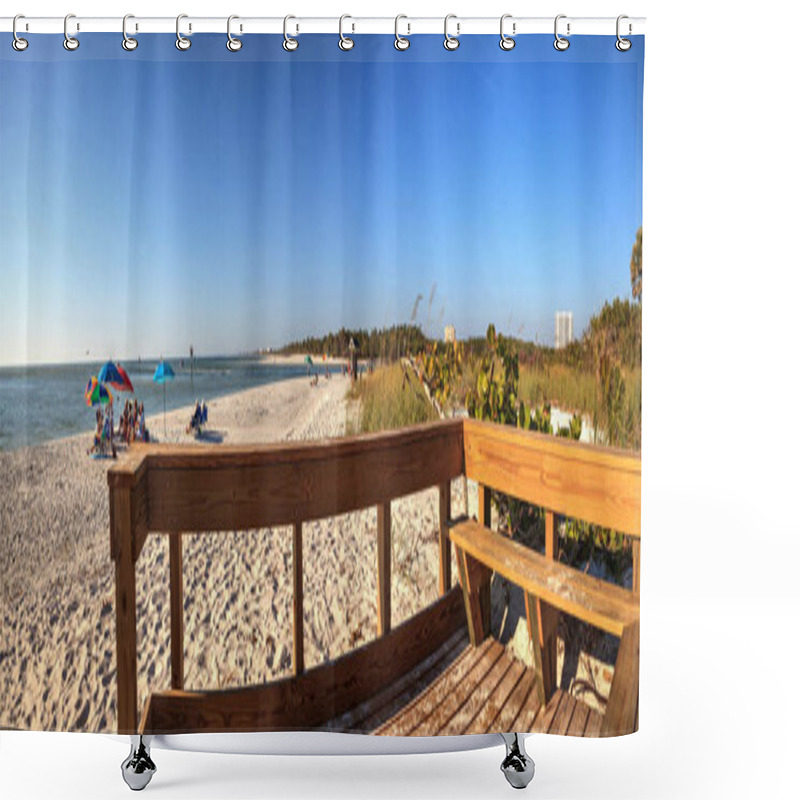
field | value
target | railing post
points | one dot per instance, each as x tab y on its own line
384	568
485	519
122	533
546	629
176	608
298	664
445	580
637	558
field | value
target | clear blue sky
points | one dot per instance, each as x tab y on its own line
234	201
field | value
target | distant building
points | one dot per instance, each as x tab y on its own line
563	328
449	334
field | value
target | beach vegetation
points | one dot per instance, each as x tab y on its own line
390	398
378	344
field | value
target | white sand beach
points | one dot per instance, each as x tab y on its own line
57	622
57	631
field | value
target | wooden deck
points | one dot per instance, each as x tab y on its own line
484	689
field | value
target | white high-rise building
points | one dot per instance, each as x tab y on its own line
563	328
449	334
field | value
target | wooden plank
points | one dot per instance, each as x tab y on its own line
176	609
125	597
534	626
421	706
595	601
591	483
474	576
298	662
523	696
544	719
307	701
479	699
548	615
621	715
381	707
637	559
445	579
563	717
580	716
484	721
220	488
384	568
473	685
414	718
594	724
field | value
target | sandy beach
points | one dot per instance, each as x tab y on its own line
57	637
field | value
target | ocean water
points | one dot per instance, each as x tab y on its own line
42	403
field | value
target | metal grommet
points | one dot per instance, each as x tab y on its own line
561	44
70	42
233	44
181	42
128	42
622	44
401	42
289	43
506	42
18	43
345	42
450	42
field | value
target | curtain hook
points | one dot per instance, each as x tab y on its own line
401	42
506	42
290	44
622	44
181	42
345	42
128	42
561	43
233	44
450	42
70	42
18	43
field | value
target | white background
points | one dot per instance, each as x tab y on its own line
721	558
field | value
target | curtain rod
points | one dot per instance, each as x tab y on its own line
358	25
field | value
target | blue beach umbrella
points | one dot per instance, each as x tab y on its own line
115	376
164	373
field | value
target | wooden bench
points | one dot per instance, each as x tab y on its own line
480	551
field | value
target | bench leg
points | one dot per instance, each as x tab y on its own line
138	768
517	766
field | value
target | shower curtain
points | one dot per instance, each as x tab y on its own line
320	384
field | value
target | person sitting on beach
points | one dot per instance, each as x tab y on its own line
144	436
204	415
197	418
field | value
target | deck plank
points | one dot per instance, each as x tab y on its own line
411	720
563	717
580	716
473	703
483	722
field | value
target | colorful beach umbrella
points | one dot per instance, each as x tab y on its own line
115	376
164	373
96	394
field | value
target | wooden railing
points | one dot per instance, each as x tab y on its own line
566	479
174	490
177	490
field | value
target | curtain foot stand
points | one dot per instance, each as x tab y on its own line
138	768
517	766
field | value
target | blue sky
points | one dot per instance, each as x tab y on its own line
234	201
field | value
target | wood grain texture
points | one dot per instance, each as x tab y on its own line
591	483
548	615
595	601
298	658
445	579
125	606
384	568
176	609
637	565
474	577
219	488
308	701
622	709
